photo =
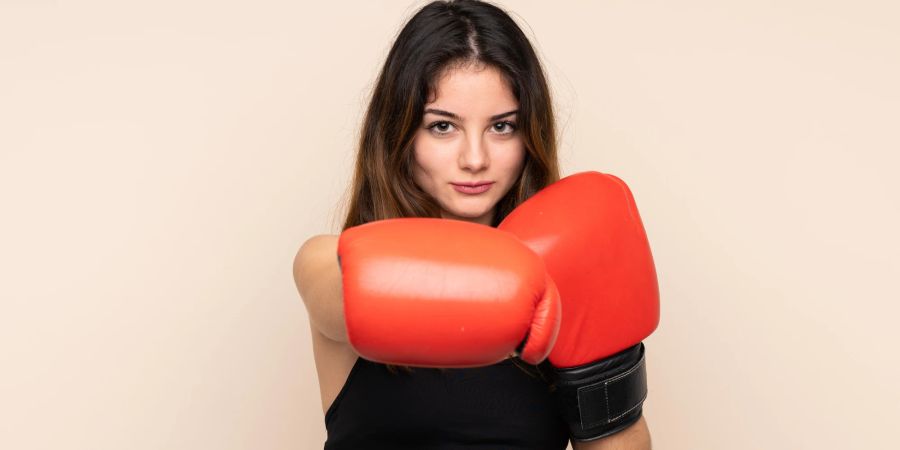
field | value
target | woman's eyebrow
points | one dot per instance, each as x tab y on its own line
441	112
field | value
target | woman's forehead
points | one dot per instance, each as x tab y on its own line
470	92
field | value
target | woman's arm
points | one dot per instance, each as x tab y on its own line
635	437
318	279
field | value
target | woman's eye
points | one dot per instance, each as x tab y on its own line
440	127
509	126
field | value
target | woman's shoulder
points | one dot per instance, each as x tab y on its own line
312	255
317	244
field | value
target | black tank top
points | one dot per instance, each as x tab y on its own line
492	407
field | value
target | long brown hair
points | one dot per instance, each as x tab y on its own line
441	36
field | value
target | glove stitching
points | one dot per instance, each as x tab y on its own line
605	388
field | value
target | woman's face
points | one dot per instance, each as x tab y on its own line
467	137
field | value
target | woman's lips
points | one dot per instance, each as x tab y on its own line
472	188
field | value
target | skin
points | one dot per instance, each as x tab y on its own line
471	147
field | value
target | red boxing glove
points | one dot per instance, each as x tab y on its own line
588	231
445	293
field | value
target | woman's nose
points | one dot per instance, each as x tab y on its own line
474	155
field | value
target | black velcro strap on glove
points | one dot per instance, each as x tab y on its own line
604	397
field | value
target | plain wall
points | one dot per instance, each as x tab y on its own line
161	163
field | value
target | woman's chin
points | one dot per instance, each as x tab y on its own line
471	215
468	213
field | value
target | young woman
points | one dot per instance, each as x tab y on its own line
460	126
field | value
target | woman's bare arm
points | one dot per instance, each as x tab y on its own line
318	279
635	437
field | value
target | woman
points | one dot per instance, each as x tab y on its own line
460	126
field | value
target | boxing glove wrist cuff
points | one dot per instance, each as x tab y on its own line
604	397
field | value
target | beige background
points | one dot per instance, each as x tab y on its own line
160	164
